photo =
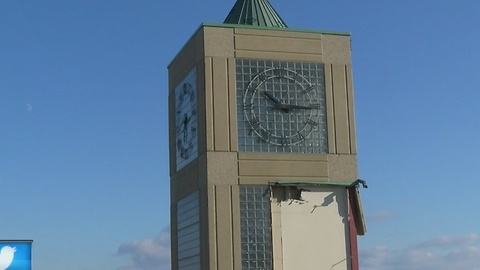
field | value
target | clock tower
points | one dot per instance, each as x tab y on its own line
263	170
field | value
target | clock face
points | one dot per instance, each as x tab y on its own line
281	106
186	120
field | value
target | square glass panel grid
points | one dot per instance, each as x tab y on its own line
256	229
263	86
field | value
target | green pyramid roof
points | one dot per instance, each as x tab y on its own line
256	13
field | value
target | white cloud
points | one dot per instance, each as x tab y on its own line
449	241
148	254
380	216
442	253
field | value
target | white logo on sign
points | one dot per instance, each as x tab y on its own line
6	257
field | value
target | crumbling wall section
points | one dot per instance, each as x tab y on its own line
314	227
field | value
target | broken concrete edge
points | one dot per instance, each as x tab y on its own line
352	187
355	183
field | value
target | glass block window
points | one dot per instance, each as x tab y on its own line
281	106
256	229
188	232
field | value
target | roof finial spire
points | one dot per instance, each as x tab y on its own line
256	13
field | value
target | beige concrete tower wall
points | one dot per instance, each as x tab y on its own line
220	103
224	227
220	90
340	109
278	45
261	169
221	146
187	180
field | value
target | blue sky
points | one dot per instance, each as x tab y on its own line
83	126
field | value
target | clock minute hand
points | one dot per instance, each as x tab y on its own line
291	106
185	121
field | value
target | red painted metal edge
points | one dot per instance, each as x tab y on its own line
352	205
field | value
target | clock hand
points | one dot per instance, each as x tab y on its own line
277	103
186	119
271	97
287	107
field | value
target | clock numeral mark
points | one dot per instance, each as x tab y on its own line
266	136
261	77
283	141
247	105
187	88
185	153
316	105
254	122
251	87
299	78
301	137
309	88
280	72
312	123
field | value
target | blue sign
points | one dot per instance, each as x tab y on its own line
15	255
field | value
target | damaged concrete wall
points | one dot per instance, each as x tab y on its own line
314	227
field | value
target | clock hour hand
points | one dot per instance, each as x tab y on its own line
271	97
283	106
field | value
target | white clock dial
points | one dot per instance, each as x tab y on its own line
186	120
